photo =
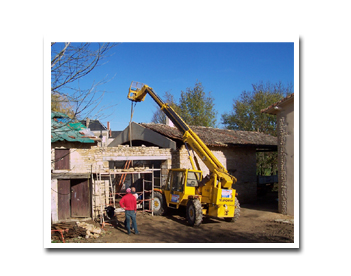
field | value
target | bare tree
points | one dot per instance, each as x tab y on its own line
69	63
159	117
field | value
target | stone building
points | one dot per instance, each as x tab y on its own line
284	110
82	171
236	150
66	138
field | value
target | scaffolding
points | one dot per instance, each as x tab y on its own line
108	188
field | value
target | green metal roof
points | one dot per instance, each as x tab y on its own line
63	129
58	115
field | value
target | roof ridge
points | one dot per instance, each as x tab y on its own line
217	136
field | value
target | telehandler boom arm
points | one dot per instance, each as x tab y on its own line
137	93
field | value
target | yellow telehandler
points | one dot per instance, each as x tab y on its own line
212	195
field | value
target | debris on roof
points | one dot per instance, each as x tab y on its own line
217	137
64	129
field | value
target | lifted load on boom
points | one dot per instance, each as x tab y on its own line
212	195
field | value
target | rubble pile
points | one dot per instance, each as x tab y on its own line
91	230
74	230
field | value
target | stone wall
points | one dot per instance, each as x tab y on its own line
285	121
87	160
241	163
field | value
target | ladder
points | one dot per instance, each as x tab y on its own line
112	197
99	194
123	177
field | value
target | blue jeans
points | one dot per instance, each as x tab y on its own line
131	215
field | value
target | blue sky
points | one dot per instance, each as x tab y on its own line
225	69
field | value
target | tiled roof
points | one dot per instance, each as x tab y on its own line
266	110
217	137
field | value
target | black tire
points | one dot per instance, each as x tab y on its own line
194	212
236	212
159	204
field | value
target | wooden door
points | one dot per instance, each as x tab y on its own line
64	199
80	200
61	159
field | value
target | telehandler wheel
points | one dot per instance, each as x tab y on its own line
194	212
236	212
159	204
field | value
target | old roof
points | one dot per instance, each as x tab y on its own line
218	137
272	109
94	125
63	129
142	135
115	133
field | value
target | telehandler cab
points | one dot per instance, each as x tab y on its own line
212	195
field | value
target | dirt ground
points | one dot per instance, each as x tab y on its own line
258	223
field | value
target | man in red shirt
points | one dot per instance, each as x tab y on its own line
128	203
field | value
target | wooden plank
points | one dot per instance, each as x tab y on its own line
64	210
80	199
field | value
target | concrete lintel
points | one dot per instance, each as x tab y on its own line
126	158
57	175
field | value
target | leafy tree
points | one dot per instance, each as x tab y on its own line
194	107
61	104
246	115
